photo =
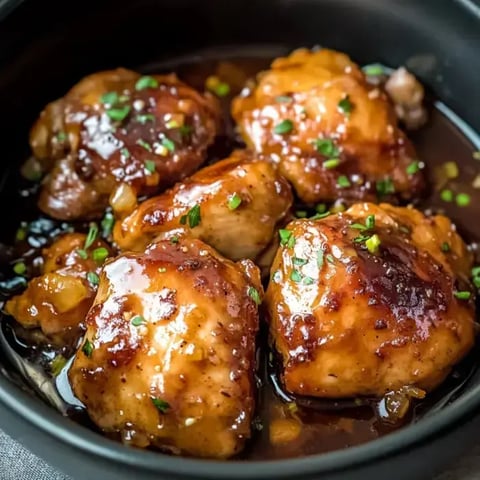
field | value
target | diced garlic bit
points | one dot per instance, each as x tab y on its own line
159	149
476	182
407	93
284	430
174	120
123	199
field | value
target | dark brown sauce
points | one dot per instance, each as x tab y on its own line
319	426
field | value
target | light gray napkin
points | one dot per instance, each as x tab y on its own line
17	463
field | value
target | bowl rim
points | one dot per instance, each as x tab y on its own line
50	421
46	419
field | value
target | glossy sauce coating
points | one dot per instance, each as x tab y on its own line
118	127
331	133
241	201
169	352
58	300
349	319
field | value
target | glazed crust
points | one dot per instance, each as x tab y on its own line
241	232
349	321
87	147
193	350
364	145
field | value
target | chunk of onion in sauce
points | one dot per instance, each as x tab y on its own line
123	199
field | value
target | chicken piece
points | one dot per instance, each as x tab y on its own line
234	205
370	301
118	127
169	354
407	94
58	301
332	134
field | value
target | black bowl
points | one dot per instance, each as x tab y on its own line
47	46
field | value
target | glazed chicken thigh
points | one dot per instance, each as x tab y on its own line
58	300
332	134
234	205
369	301
117	127
169	354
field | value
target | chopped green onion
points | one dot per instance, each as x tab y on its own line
299	262
462	199
320	256
234	201
285	126
385	187
222	89
476	281
100	254
174	239
57	364
144	118
109	98
83	254
343	181
370	222
446	195
296	276
20	268
319	216
91	236
125	153
118	114
138	320
301	214
413	168
107	224
146	82
254	295
308	281
150	166
21	233
193	217
92	277
445	247
144	144
332	163
161	405
373	70
463	295
320	208
87	348
283	99
330	258
326	147
168	144
373	243
61	136
476	271
286	238
345	106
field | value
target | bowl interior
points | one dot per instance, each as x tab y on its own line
41	60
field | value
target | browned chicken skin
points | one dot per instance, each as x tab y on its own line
364	310
118	127
332	134
58	301
234	205
169	353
